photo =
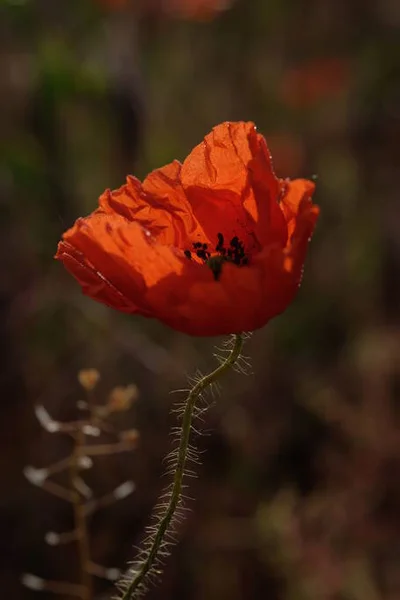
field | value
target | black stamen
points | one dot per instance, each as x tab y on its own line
203	254
235	254
220	246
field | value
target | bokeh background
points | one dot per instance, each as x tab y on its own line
298	494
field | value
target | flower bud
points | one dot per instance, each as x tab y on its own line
88	378
121	397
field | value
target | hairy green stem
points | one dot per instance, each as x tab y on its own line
146	565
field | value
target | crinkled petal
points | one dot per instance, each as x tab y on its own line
230	184
93	283
120	253
159	204
301	215
165	186
297	193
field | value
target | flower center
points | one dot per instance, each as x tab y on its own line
234	253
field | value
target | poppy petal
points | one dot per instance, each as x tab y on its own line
296	200
229	182
243	299
302	216
121	253
159	205
93	283
165	186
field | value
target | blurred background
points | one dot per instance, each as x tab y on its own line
298	494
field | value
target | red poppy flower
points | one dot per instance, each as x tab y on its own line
212	246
